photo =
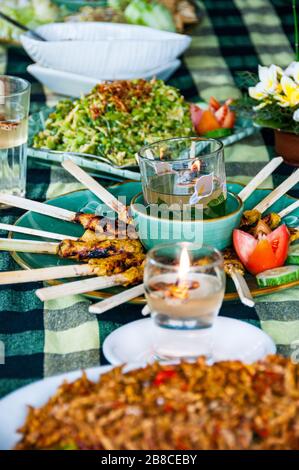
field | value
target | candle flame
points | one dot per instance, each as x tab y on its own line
184	266
195	166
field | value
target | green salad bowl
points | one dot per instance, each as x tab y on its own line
154	230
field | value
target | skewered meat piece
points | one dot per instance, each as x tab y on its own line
116	264
232	262
104	225
249	218
260	229
272	220
294	234
252	217
82	250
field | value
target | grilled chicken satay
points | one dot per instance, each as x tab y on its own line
115	264
82	250
252	217
105	227
232	262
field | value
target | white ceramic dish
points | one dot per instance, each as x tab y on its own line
103	49
13	407
233	340
71	84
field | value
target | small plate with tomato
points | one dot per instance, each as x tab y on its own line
220	121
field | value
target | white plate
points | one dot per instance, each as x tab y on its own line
71	84
99	50
13	407
233	340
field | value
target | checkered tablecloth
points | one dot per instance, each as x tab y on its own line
41	340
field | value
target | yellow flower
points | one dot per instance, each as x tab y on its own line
290	89
293	71
269	82
269	77
257	92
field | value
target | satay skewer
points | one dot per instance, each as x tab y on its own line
34	232
287	210
283	188
130	276
259	178
117	299
73	249
102	267
97	223
39	207
235	270
96	188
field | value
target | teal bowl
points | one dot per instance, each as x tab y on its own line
154	230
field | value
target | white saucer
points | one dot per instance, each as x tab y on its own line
71	84
233	340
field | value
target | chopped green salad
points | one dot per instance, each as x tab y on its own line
116	119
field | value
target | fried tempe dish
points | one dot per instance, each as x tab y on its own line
229	405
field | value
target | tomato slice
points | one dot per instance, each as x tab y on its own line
229	120
214	104
196	113
279	240
258	255
244	244
207	123
262	258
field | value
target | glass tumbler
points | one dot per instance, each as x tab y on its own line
14	110
184	172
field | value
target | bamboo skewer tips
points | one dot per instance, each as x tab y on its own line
39	207
259	178
34	232
96	188
116	300
269	200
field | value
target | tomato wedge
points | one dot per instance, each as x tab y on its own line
196	114
267	253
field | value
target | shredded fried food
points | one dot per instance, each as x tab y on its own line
229	405
116	119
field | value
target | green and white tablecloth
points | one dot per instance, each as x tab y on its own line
41	340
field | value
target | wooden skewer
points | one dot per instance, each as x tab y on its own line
289	209
242	288
278	192
28	246
259	178
39	207
96	188
45	274
36	233
118	299
79	287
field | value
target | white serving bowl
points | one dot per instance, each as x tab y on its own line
103	49
71	84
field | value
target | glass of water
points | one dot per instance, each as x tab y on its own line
184	287
14	111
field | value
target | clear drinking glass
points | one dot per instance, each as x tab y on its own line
185	172
184	287
14	110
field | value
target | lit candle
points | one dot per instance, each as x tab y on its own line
187	294
184	296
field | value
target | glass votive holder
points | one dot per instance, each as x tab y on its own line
182	172
184	287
